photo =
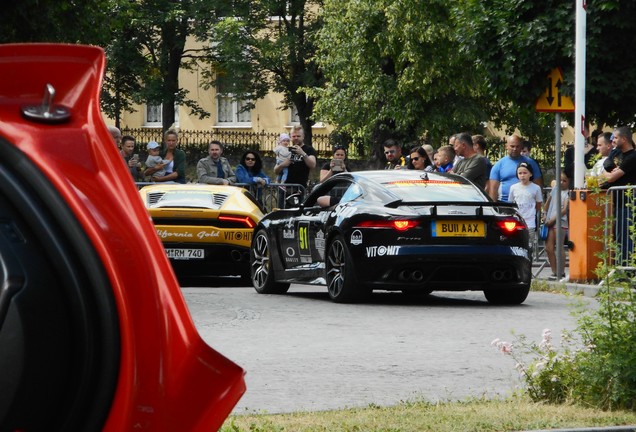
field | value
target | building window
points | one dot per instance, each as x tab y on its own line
153	116
229	111
294	120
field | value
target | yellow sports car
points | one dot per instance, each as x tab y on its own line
206	230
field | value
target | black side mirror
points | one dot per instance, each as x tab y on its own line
293	200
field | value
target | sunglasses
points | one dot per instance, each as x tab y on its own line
415	158
250	159
389	152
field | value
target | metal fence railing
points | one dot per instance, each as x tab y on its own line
195	142
272	196
619	228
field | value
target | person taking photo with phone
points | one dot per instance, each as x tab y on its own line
131	159
337	164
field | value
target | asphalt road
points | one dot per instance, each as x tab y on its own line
304	353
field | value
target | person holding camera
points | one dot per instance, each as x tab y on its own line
337	164
302	160
131	160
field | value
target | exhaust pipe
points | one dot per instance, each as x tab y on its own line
403	276
417	276
236	255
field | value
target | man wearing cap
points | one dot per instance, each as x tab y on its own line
215	169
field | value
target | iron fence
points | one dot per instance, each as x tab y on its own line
195	142
619	227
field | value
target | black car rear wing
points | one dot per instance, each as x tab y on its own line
479	211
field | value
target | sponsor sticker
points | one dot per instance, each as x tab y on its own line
378	251
356	237
320	244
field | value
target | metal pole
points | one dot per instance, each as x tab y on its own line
579	108
557	196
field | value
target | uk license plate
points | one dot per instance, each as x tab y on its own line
185	254
458	228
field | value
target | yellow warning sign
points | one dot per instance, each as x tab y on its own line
552	100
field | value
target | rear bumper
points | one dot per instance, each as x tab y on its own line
448	268
218	260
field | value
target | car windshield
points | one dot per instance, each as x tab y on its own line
434	190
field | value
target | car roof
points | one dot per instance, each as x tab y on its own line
386	176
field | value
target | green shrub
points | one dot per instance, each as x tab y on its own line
596	363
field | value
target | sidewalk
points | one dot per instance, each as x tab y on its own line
541	271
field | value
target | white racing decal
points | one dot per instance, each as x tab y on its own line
206	234
165	234
356	237
519	251
320	244
377	251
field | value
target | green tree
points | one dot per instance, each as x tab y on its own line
394	68
517	43
151	48
269	46
86	21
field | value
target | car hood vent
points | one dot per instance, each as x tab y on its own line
189	199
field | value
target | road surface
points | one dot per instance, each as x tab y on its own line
305	353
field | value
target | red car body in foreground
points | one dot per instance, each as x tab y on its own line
94	331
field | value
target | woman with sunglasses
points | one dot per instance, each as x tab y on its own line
250	172
419	160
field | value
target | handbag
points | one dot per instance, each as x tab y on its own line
543	232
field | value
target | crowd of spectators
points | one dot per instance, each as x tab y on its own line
610	159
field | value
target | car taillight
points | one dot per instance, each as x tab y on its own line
249	223
508	226
399	225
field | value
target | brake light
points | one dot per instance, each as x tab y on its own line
249	223
399	225
508	226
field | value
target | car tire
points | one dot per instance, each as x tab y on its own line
511	296
341	280
261	269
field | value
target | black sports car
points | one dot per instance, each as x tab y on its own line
395	230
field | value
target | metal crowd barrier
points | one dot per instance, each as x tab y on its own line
274	195
619	228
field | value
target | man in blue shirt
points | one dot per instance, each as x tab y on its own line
504	172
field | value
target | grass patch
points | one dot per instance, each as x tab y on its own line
540	285
512	414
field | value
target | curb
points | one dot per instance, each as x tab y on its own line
591	429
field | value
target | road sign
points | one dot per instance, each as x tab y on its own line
552	100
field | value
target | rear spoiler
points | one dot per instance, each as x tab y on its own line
434	204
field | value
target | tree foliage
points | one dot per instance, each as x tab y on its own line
268	46
74	21
517	43
394	68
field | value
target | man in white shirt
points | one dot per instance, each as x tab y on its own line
604	147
